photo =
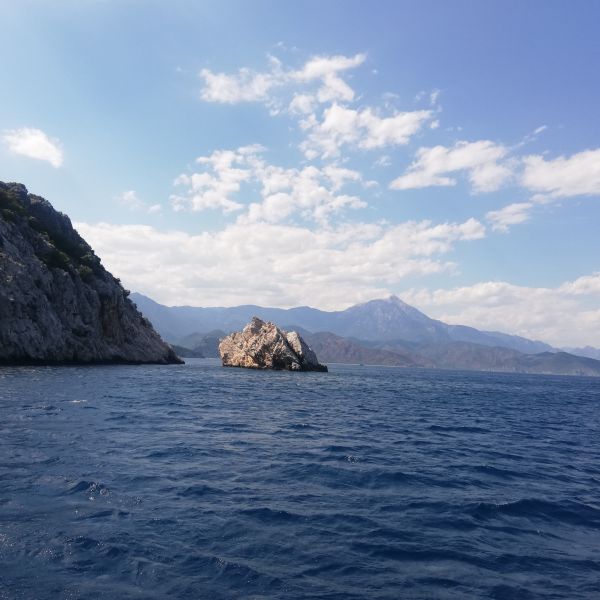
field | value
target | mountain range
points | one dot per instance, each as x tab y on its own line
385	332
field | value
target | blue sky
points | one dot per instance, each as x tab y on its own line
448	152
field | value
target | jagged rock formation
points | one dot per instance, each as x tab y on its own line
263	345
57	302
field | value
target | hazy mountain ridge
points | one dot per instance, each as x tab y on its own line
586	351
394	334
377	320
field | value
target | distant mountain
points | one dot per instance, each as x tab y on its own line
206	344
475	357
451	355
378	320
381	332
331	348
176	322
586	351
187	352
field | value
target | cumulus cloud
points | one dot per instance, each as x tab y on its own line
318	96
251	86
213	188
327	69
513	214
244	86
311	192
482	161
131	200
566	315
302	104
363	129
576	175
275	264
587	284
34	143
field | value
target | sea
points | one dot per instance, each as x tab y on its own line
198	481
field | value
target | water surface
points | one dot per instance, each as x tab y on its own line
197	481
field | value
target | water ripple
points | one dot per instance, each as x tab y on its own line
368	483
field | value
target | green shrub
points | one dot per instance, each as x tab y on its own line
8	215
56	259
10	202
86	273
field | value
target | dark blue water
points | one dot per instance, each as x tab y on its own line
197	481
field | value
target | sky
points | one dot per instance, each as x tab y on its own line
321	153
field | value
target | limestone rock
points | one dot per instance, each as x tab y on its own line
57	302
262	345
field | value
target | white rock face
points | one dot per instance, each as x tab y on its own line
262	345
57	302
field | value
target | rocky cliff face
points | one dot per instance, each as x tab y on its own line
57	302
263	345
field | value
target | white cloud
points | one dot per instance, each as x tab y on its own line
326	69
277	265
531	137
34	143
383	161
363	129
577	175
214	190
311	192
562	177
566	315
251	86
320	67
434	96
244	86
513	214
481	160
587	284
131	200
302	92
302	104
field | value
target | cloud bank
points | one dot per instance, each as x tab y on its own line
274	264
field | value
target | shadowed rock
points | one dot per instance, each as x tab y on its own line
262	345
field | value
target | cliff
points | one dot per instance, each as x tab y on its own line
57	302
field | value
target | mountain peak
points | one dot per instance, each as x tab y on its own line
389	300
396	300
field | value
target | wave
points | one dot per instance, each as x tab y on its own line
568	511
